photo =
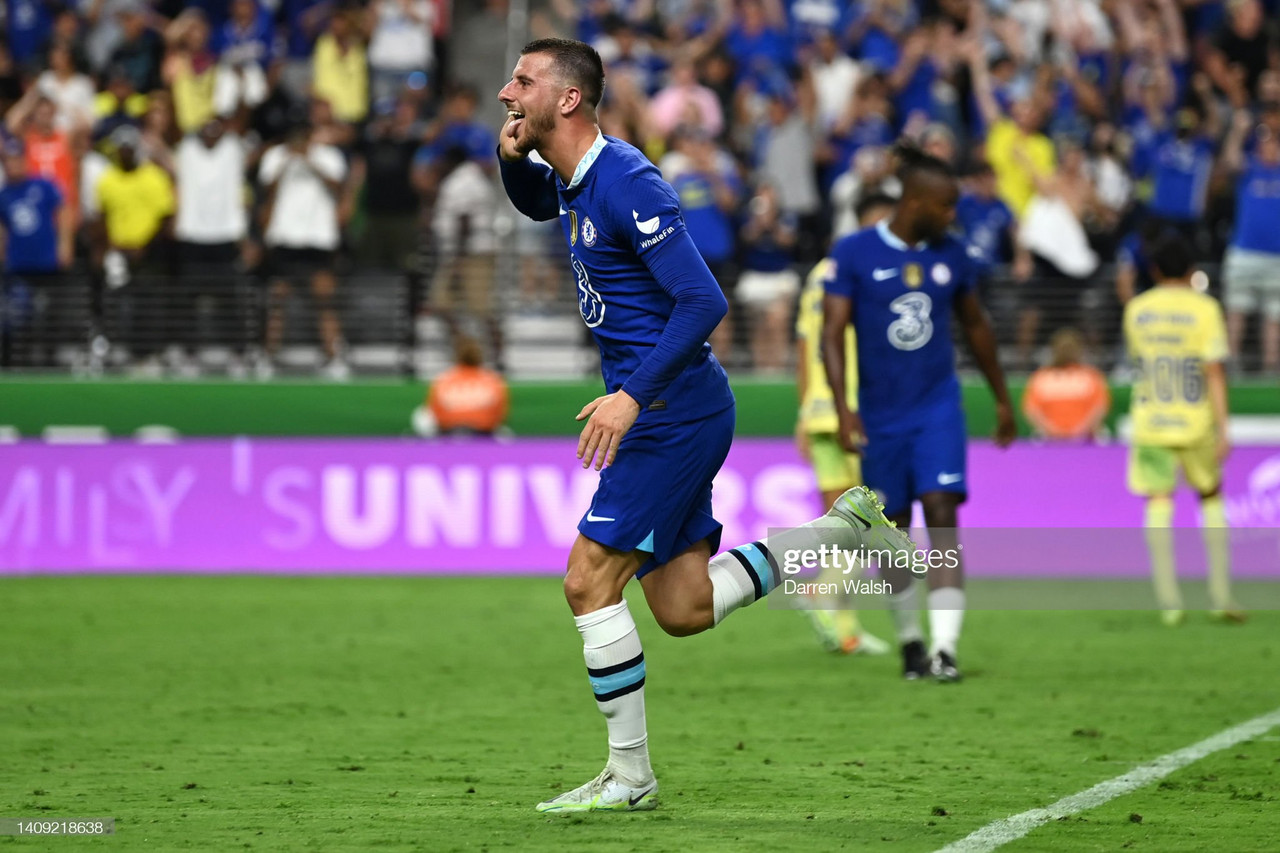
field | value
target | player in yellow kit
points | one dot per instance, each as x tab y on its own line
816	427
1178	339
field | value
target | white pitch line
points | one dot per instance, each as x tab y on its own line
1001	832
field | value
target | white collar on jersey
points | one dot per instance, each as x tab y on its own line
894	241
588	160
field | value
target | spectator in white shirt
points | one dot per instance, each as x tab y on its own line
71	91
303	180
400	43
464	242
835	77
210	227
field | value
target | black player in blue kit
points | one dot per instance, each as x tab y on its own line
899	284
663	429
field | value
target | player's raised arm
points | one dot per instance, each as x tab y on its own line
837	314
982	342
668	251
530	186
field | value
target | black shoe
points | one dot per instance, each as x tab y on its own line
943	667
915	660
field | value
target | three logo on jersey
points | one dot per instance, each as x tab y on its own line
590	304
913	328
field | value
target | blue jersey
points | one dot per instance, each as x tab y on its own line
1180	172
709	225
986	223
29	215
29	24
474	138
903	298
1258	208
643	290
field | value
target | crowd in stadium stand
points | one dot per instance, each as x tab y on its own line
167	144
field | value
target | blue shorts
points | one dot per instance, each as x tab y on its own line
656	496
905	465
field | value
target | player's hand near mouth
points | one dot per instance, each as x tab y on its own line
507	145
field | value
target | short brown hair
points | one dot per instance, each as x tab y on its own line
467	352
575	61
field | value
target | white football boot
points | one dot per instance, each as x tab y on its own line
605	793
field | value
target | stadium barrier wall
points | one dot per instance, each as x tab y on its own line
382	408
481	507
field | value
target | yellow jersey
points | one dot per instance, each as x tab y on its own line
1014	181
341	77
135	204
818	408
1172	333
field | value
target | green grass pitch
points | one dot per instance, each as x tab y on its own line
253	713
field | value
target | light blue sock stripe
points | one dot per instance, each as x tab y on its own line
760	565
617	681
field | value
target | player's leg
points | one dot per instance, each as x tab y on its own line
946	583
1204	474
1239	298
615	667
277	293
837	626
658	489
1153	474
939	472
1271	325
324	288
886	470
692	592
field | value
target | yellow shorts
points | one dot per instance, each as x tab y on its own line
836	469
1153	470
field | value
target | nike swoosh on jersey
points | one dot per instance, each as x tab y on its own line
563	211
948	479
593	517
648	226
883	274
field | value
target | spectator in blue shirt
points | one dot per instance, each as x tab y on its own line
34	219
705	178
1180	163
769	284
990	230
247	37
36	226
1251	268
758	41
29	23
458	127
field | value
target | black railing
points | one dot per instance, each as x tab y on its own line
219	323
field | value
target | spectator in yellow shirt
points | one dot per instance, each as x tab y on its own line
340	74
136	198
136	201
1016	149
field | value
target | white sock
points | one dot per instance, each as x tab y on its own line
615	666
749	572
946	615
904	607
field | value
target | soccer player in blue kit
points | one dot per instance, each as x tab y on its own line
898	284
663	429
